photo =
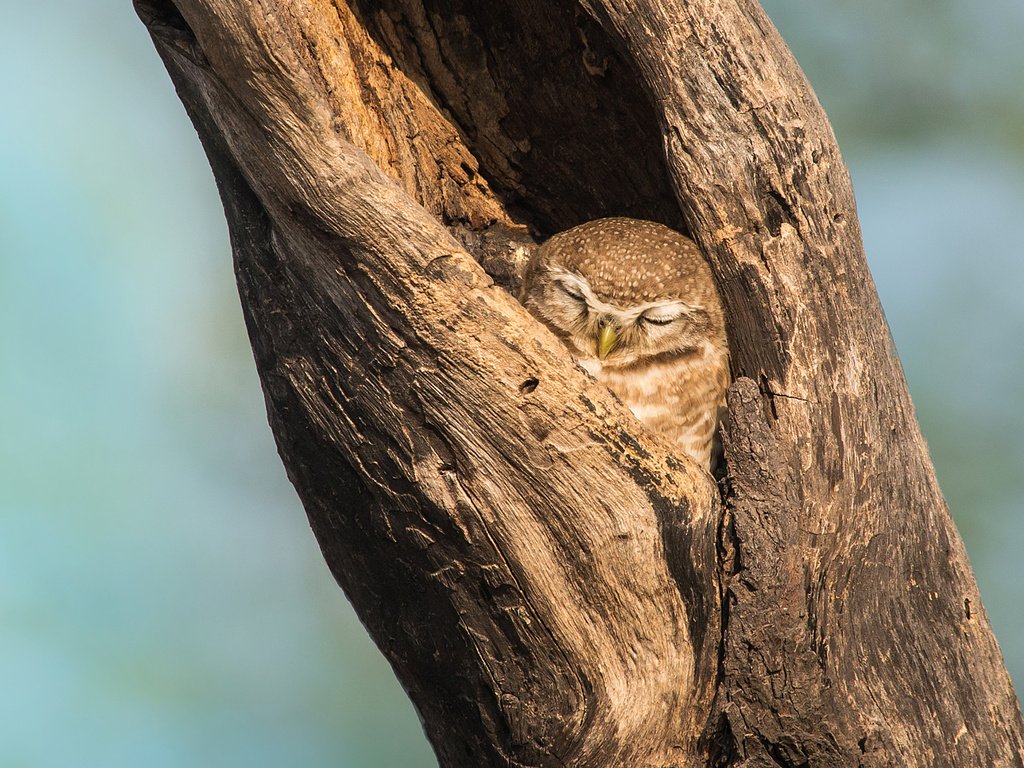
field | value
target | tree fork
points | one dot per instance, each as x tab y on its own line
550	584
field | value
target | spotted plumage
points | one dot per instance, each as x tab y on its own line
635	303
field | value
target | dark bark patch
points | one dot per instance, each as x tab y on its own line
528	386
559	150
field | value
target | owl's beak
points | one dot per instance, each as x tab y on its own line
607	340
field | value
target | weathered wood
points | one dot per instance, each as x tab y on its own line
550	584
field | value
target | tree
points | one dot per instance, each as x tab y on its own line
550	584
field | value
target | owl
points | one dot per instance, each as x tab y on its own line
635	304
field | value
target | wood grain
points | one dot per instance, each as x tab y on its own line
550	584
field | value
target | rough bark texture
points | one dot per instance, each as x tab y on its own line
550	584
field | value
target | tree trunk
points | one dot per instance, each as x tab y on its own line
551	585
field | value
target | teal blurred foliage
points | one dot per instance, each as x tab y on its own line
162	601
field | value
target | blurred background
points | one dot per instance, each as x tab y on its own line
162	600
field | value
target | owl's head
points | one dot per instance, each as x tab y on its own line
625	291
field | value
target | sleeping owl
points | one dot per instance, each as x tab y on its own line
635	303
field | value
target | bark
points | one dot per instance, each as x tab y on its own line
550	584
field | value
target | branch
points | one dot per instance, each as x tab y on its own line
495	516
550	584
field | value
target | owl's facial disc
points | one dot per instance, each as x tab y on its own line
617	334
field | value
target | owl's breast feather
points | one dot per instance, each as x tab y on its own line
679	398
592	366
